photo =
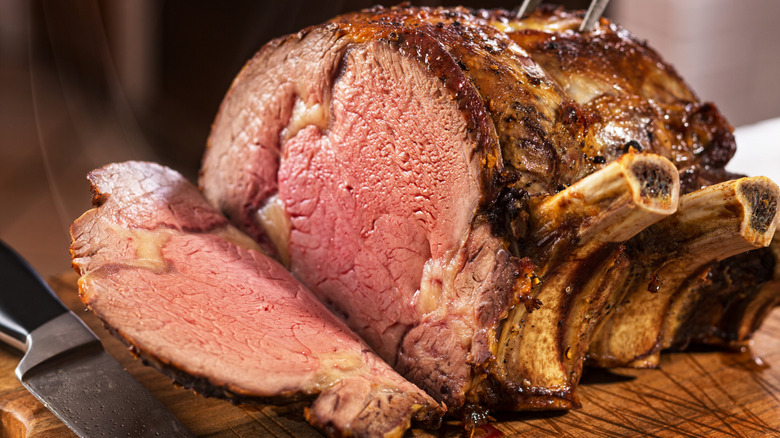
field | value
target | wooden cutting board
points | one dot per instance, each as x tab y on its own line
704	393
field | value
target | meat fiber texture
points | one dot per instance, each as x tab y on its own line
487	201
416	168
195	297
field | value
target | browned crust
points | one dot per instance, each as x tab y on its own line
476	62
635	79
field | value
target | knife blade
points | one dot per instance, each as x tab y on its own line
66	367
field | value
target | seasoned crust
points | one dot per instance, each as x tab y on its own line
628	90
542	111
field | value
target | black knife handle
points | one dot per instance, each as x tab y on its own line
26	301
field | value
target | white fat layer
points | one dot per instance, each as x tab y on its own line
432	286
304	115
148	247
437	297
335	367
276	223
238	238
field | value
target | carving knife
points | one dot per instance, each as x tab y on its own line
66	367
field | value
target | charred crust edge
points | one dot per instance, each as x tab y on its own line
199	384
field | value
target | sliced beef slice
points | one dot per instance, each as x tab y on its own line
197	298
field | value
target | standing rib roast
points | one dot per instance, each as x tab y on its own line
489	202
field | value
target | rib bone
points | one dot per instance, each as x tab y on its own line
748	315
747	321
579	234
738	295
735	299
610	205
671	259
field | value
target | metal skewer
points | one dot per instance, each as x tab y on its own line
595	10
527	7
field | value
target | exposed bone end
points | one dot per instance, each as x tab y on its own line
610	205
654	194
580	232
723	220
759	197
652	179
655	182
655	186
711	224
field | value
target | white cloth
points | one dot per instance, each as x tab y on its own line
758	150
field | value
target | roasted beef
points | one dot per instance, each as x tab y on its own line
410	158
488	201
195	297
634	99
464	188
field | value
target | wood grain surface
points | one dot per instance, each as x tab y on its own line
701	393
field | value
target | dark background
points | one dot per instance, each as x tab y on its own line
174	60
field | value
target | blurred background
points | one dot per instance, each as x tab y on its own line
88	82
